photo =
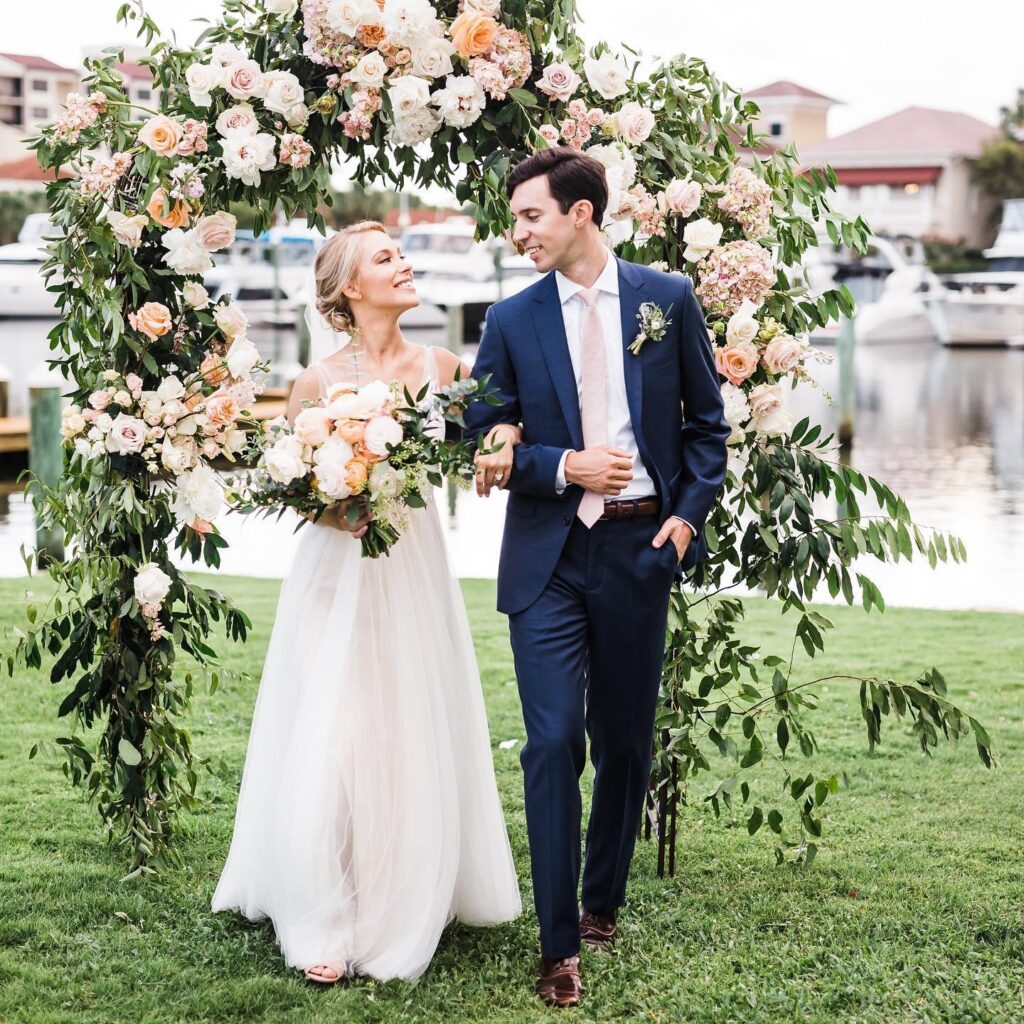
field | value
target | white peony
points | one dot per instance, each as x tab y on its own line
126	435
169	389
284	462
179	455
284	91
616	157
408	94
195	295
461	101
607	75
127	230
244	157
333	450
742	326
185	255
737	411
381	432
414	128
202	79
408	21
700	236
227	53
152	584
242	357
285	8
348	16
330	481
231	320
238	120
432	57
199	495
313	425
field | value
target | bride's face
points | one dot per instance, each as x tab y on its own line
384	276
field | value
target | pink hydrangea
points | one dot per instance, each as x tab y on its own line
734	272
324	43
748	200
506	66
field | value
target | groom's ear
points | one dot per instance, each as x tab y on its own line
582	213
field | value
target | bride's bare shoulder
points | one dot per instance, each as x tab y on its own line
447	363
305	388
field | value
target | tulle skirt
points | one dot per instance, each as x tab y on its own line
368	817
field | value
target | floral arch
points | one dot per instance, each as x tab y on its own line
450	93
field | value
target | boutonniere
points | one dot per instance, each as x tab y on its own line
653	323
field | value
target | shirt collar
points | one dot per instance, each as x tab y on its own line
607	281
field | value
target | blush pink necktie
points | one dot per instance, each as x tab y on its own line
593	397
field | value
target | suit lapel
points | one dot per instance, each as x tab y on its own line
629	305
550	327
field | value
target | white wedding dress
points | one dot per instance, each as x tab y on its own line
368	817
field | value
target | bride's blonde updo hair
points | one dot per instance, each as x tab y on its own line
335	267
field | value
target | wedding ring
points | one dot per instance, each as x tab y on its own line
499	476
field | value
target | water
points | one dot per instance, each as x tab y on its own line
943	427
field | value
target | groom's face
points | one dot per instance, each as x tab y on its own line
541	230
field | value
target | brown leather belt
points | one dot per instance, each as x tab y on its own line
631	508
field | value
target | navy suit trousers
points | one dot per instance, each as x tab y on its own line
588	655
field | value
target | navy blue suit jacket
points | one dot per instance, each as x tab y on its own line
675	405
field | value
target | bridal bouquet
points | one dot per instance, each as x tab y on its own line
368	446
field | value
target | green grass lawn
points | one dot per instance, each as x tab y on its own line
913	911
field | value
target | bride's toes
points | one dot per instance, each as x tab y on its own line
324	974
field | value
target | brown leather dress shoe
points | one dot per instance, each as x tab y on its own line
559	982
598	933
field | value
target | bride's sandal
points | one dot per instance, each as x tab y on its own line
324	974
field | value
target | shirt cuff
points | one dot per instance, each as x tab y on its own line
560	484
686	523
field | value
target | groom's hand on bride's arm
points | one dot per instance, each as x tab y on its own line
604	469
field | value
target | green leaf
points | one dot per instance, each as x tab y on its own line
129	754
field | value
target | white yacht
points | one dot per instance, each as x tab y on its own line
987	308
22	285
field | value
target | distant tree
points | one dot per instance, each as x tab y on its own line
14	208
1011	118
999	171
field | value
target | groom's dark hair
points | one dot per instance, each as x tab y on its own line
571	175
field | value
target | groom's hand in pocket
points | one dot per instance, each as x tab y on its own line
604	469
676	531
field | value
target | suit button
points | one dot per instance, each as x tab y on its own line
566	520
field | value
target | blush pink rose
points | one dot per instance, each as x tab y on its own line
736	363
634	123
217	231
221	409
782	354
682	197
244	79
313	426
99	400
559	81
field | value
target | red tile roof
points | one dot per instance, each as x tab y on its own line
131	69
784	88
36	63
907	134
26	168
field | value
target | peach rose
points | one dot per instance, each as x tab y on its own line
201	526
222	409
153	319
177	213
194	401
161	135
473	33
213	369
782	354
737	363
313	425
216	231
351	431
356	475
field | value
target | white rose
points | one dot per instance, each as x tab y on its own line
348	16
71	421
284	91
178	456
284	460
244	157
297	116
126	435
330	481
227	53
200	495
231	320
432	57
607	75
169	389
242	357
408	21
633	123
202	79
284	8
370	70
700	236
184	253
490	7
681	196
313	426
382	431
244	79
742	326
774	424
415	128
408	94
195	295
372	398
461	101
737	411
333	451
152	584
127	230
238	120
616	157
385	481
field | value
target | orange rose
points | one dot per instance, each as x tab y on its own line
161	134
473	33
221	410
370	36
213	369
356	475
351	431
153	319
737	363
176	215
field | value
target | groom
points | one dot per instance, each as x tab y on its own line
621	458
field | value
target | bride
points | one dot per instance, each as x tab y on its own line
368	817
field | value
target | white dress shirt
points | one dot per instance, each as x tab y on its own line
620	426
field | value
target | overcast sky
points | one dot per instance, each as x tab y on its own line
876	56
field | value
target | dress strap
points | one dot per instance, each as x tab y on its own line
325	381
430	367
